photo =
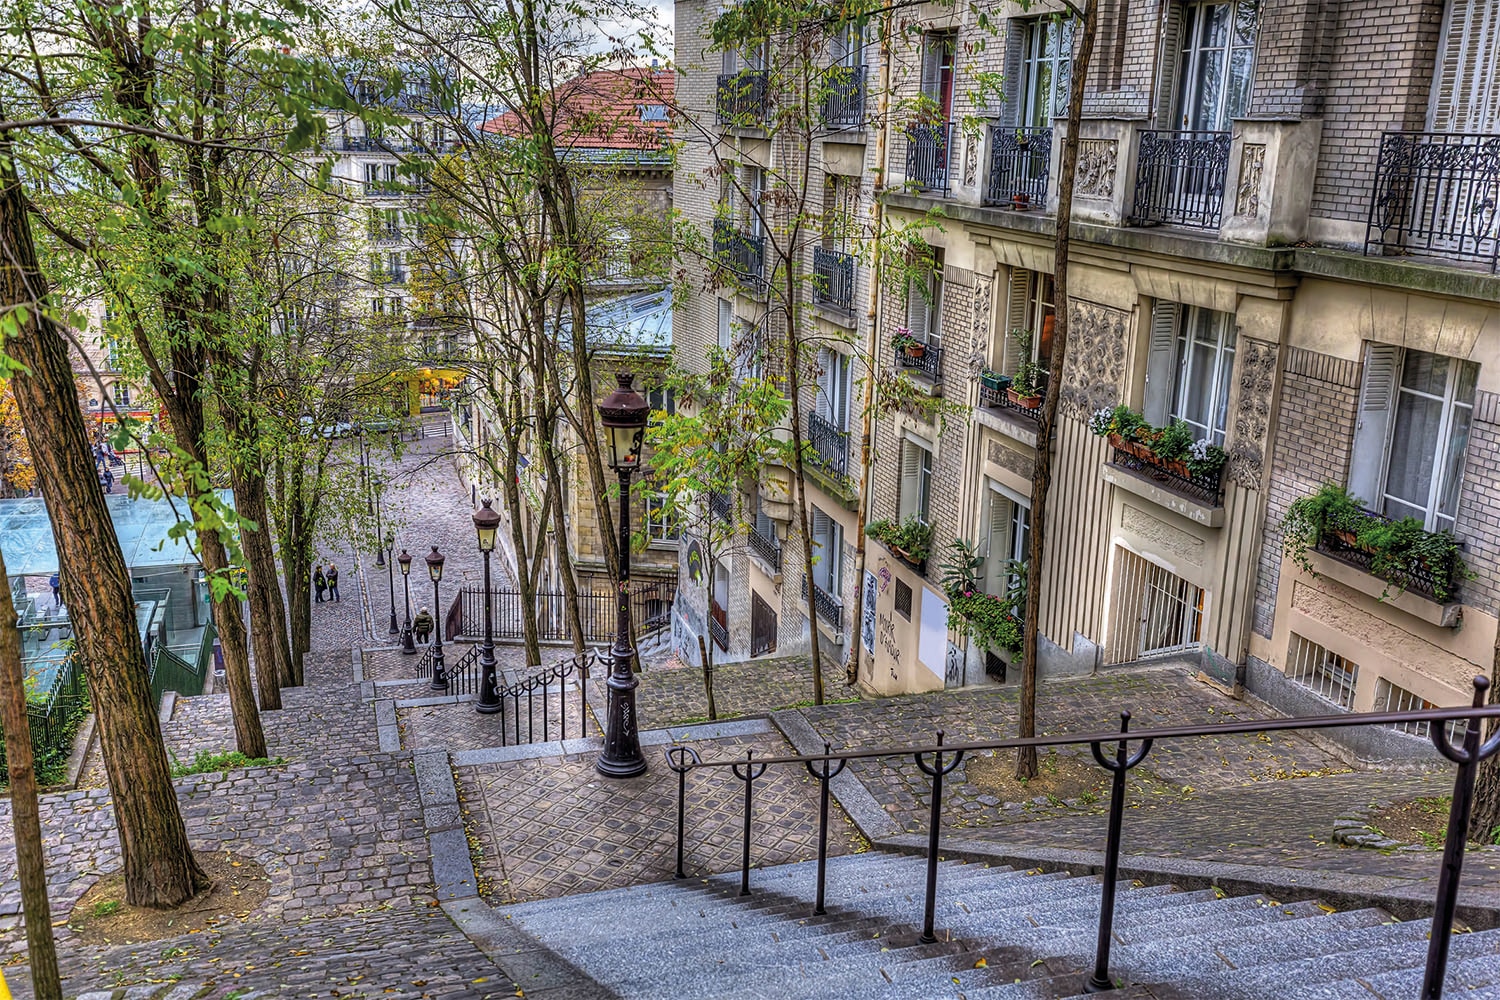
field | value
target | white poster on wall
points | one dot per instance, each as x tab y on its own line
932	643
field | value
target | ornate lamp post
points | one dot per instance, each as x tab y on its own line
380	554
487	523
435	570
624	414
407	643
390	572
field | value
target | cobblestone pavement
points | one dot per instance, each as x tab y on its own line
553	826
674	695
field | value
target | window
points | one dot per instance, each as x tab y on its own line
1006	540
755	193
762	626
764	526
938	48
726	324
393	267
1046	70
661	524
377	306
653	112
663	399
121	393
395	303
840	211
1214	63
1466	92
1325	674
1412	433
1030	308
1390	698
828	553
1188	368
847	45
903	600
916	480
924	303
1155	612
112	352
381	175
833	388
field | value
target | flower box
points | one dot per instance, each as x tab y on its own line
994	380
1024	402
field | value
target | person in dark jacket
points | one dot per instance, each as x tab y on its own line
422	625
319	584
333	582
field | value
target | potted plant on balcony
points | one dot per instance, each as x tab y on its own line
908	345
1020	201
1173	446
911	540
1331	511
993	380
1024	391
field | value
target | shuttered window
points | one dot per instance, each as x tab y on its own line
828	552
1189	368
1045	70
1005	541
833	388
726	324
916	480
924	303
937	70
1214	64
1466	91
1029	307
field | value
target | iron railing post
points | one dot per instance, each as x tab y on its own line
748	776
934	825
824	775
677	760
1122	762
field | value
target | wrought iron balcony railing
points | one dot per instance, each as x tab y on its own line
831	443
999	399
824	604
833	278
1173	475
1414	575
741	254
929	149
928	364
385	235
844	97
1179	179
743	98
718	625
1020	159
720	505
1437	193
766	548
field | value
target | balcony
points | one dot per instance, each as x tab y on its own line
1438	581
1172	476
999	399
718	625
827	607
1020	159
830	443
844	97
766	548
928	364
1437	194
434	320
1179	179
741	254
743	98
720	506
928	149
384	235
833	279
384	276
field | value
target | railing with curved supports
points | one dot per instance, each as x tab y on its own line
939	759
526	705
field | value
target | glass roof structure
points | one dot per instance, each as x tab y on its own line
141	525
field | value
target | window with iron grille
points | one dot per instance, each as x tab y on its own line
903	600
1391	698
1326	674
762	627
1155	612
661	524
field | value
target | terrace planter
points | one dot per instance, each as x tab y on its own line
1024	402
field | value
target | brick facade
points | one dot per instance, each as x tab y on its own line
1479	505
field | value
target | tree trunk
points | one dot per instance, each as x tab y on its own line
158	862
267	616
1041	477
1484	820
708	678
527	600
25	812
248	735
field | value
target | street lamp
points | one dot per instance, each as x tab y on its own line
623	413
380	555
407	645
390	573
435	570
487	523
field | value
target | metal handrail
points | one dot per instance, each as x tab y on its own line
1467	755
463	678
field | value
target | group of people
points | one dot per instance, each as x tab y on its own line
326	582
104	457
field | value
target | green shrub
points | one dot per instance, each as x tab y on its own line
209	763
911	536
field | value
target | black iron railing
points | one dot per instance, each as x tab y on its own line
1020	159
528	701
1412	575
1174	476
1437	193
721	506
718	625
385	235
999	399
928	364
831	444
833	278
766	548
844	97
824	604
929	155
598	611
741	254
743	98
1179	179
938	759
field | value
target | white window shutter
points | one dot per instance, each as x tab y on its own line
911	471
997	542
1466	90
726	324
824	405
1015	318
1372	428
1168	63
1014	86
727	65
1160	356
841	391
932	61
917	306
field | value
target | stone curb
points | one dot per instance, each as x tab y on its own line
594	744
452	867
437	699
866	813
385	725
359	665
1404	899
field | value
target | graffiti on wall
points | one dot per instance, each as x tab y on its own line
886	628
953	672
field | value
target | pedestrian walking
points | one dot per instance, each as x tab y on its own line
333	582
56	583
422	625
109	480
319	583
103	484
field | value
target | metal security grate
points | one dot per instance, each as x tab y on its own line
903	600
1325	674
1390	698
1156	613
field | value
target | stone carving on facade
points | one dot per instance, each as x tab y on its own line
1008	458
1247	192
979	341
1255	374
1096	168
1095	359
1163	537
971	160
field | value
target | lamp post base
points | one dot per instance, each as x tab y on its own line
622	757
439	673
408	642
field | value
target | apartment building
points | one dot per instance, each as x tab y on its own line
1285	236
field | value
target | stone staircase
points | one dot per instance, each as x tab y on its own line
1002	935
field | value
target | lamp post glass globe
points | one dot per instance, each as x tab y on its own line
623	414
435	571
486	525
408	643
